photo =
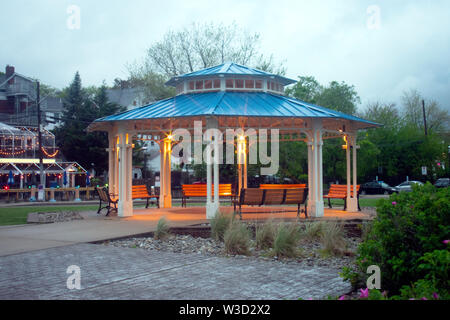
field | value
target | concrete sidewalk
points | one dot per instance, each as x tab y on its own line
108	272
30	237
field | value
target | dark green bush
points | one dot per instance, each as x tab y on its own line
407	229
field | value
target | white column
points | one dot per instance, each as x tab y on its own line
216	172
244	155
212	167
347	155
315	204
320	167
112	162
208	180
310	174
242	162
352	205
165	196
125	204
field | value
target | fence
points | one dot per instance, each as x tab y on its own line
50	194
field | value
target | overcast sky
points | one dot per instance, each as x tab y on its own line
381	47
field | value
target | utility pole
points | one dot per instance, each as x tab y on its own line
424	117
41	165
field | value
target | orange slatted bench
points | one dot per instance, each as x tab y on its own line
200	190
339	191
141	192
272	196
282	186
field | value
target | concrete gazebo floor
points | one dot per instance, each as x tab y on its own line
196	215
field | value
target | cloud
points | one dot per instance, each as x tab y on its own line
328	39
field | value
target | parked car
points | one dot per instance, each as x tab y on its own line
407	186
377	187
442	183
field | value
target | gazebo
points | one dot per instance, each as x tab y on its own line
241	104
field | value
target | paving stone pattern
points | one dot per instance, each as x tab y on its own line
127	273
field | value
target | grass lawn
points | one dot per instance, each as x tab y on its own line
18	215
362	202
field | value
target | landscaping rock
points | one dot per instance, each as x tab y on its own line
310	250
51	217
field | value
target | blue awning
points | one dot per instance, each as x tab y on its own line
229	69
226	103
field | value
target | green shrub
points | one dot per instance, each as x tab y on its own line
237	238
265	235
162	229
421	290
286	240
407	227
219	224
333	238
435	265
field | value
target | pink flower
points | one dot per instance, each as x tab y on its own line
364	293
423	298
435	296
384	294
445	241
344	297
394	203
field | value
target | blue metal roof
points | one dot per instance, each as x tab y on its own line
226	103
231	69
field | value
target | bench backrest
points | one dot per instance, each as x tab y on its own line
252	196
199	190
274	196
281	186
255	196
295	196
139	191
341	190
103	194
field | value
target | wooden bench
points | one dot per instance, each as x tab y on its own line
200	190
281	186
141	192
259	197
105	197
339	191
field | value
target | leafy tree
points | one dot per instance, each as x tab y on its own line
80	110
403	147
192	48
339	96
438	119
204	45
306	89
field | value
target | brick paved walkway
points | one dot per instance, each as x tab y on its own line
125	273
